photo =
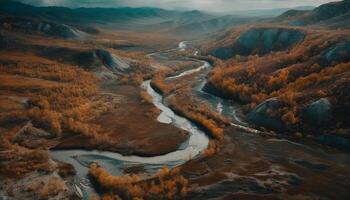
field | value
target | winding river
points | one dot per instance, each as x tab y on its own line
115	162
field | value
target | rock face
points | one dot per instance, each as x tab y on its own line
332	12
47	28
338	53
261	41
335	141
318	111
260	115
113	62
67	32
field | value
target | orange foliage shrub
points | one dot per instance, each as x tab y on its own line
145	97
166	184
290	118
111	197
47	119
199	112
52	188
278	81
212	149
52	107
158	83
25	162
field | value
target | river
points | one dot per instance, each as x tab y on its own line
115	162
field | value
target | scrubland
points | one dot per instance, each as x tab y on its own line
297	76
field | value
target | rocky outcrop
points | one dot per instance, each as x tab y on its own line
260	115
113	62
261	41
318	111
314	114
103	62
85	58
66	32
334	141
338	53
331	12
47	28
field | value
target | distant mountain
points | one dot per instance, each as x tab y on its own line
189	23
121	18
100	15
329	14
268	12
213	25
262	40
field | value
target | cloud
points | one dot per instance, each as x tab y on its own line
208	5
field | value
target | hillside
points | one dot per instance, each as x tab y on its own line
288	78
212	25
333	14
96	15
256	40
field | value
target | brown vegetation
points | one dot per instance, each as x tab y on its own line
166	184
58	94
159	84
213	148
54	186
145	97
23	162
55	98
199	112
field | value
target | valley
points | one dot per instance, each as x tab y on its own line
150	103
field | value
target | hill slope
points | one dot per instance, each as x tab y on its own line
330	13
290	79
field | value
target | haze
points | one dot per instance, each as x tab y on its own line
207	5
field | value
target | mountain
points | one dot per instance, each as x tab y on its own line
269	12
184	23
334	12
213	25
119	18
96	15
257	40
262	40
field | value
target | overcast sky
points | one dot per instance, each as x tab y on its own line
208	5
